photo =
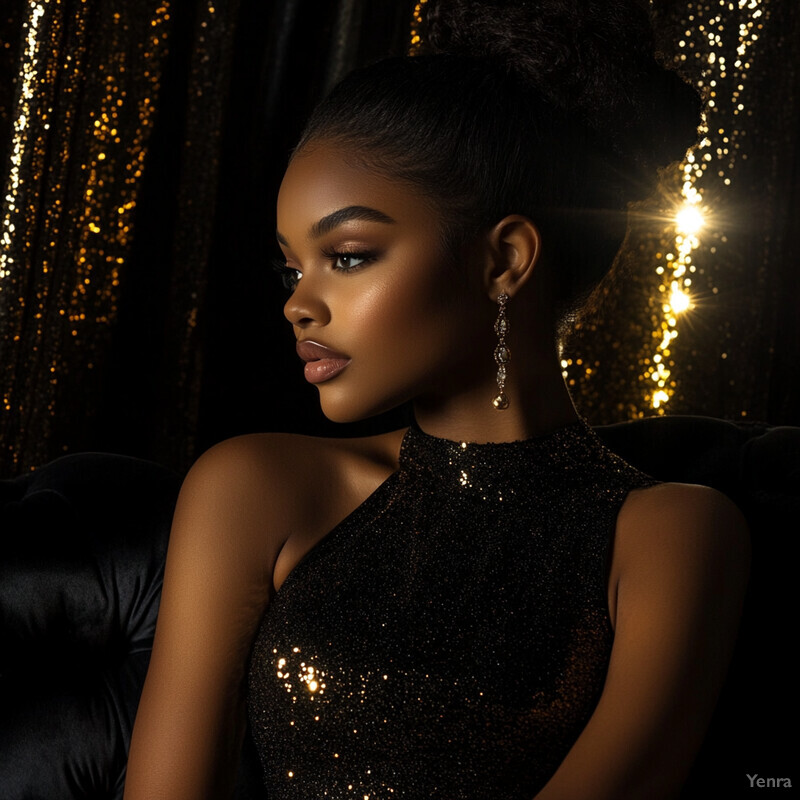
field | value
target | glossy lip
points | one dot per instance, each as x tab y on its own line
322	363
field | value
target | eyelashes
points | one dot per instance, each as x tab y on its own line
340	261
289	277
343	260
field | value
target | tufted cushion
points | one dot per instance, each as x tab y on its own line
82	547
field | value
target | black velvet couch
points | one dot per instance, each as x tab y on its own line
82	547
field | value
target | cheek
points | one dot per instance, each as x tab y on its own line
415	329
412	305
410	330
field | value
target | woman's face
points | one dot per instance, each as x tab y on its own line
380	313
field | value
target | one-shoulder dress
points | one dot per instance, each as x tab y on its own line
450	638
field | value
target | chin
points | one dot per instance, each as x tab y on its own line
342	409
342	415
343	418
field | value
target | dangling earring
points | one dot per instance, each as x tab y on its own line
502	355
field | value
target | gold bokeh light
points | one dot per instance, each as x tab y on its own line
708	39
689	220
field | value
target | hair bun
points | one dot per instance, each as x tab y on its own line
593	58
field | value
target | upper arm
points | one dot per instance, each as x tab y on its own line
224	540
680	566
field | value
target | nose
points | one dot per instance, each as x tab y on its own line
305	308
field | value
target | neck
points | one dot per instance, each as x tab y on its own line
538	403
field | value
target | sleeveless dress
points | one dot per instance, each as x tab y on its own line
450	638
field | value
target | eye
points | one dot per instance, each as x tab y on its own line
289	277
348	261
344	261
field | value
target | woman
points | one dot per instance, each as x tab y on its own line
489	604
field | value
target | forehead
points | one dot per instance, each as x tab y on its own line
323	178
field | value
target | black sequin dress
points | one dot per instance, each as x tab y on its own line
449	639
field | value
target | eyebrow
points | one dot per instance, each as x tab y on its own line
339	217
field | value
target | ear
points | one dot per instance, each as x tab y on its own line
514	246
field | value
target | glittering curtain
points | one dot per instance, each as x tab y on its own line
703	316
81	119
145	143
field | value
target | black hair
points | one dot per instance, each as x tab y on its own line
555	110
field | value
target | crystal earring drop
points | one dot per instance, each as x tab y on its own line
502	355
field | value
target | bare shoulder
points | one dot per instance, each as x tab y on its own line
681	539
287	488
681	497
256	471
284	469
680	517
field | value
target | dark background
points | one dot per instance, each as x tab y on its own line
144	318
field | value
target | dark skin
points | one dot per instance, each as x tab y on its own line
385	295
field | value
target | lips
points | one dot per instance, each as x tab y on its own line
322	363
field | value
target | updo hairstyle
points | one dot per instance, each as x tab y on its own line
554	109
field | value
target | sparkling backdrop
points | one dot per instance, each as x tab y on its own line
82	117
683	325
718	149
107	223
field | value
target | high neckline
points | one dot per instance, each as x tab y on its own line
494	468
